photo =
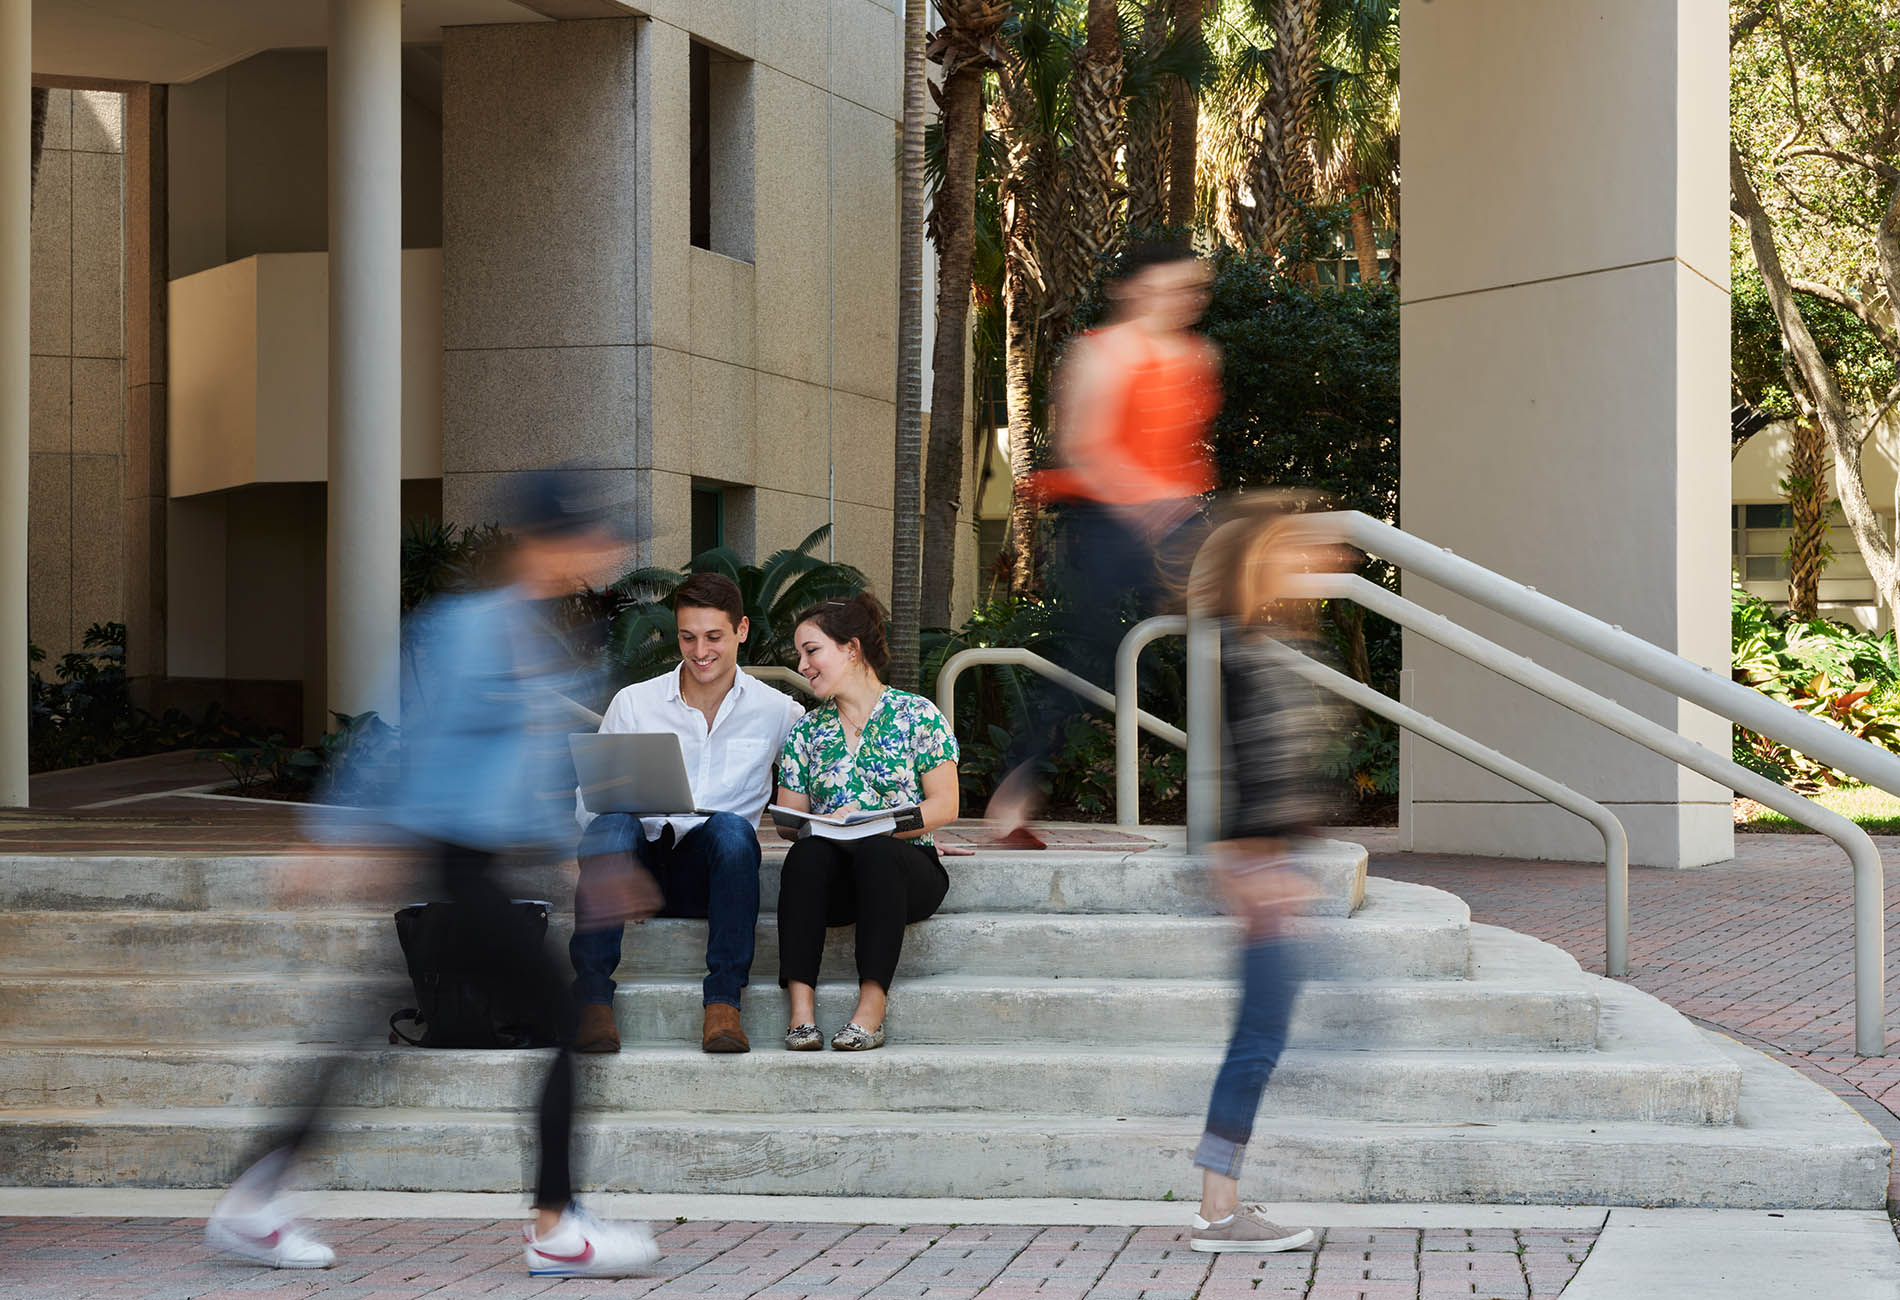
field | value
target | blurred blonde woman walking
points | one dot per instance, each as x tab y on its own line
1276	728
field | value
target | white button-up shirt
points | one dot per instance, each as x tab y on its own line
729	763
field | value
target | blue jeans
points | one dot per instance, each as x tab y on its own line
712	871
1269	979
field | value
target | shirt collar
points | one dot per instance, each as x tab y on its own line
673	692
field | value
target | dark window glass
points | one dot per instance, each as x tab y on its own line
1769	517
709	519
699	91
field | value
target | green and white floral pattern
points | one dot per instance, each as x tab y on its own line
904	737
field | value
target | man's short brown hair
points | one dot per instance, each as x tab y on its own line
711	591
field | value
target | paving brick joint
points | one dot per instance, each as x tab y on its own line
402	1259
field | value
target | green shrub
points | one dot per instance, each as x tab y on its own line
642	638
1842	675
85	714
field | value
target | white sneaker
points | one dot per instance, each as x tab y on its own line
267	1236
583	1246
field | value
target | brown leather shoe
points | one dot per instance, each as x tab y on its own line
597	1032
722	1032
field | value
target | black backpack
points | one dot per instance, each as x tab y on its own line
461	1000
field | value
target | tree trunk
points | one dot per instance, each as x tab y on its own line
1282	174
1185	130
1844	439
962	117
1147	156
1019	368
1095	97
1351	622
906	520
1806	486
1365	243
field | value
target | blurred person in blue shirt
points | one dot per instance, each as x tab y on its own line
485	779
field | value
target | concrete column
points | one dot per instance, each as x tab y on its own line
1565	338
16	211
365	493
147	258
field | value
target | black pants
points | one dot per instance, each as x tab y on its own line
879	882
489	925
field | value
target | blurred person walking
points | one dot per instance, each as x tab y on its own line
1276	728
485	783
1134	401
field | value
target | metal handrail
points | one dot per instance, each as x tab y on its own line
1670	672
1612	645
1616	845
779	673
1016	657
1127	705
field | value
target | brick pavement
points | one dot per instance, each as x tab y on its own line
399	1259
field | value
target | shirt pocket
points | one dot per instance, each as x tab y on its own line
747	760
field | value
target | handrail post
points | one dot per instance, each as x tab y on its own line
1128	711
1203	730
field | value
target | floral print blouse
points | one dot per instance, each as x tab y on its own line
904	737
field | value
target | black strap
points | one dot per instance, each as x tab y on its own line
407	1013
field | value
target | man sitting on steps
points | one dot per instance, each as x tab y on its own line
731	727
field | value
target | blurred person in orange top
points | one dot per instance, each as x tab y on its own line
1134	400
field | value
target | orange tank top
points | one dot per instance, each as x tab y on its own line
1167	405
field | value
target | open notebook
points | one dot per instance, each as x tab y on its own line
854	825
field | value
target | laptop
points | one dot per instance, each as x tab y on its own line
639	772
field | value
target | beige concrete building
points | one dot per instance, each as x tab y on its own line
371	258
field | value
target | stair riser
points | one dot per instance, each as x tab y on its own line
1052	881
1126	947
1461	1165
1452	1016
1364	1086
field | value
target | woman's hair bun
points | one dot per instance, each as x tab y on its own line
861	618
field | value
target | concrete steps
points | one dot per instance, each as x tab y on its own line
1653	1069
1054	1032
1793	1145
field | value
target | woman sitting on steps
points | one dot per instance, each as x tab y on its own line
867	746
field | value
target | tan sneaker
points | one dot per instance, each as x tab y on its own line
597	1032
1247	1228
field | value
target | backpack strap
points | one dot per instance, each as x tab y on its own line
409	1014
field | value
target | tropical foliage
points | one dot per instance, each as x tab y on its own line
84	713
1844	676
642	635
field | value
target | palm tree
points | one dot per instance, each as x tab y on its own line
1282	173
965	48
907	492
1355	119
1184	130
1150	120
1090	166
1031	105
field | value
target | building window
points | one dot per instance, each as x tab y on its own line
1758	545
1339	267
719	87
709	519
